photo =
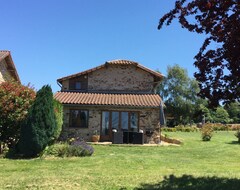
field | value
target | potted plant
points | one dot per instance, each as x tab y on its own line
95	136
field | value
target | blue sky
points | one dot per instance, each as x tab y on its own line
52	39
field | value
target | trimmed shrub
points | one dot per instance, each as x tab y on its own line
75	149
207	133
87	150
58	111
38	129
234	127
58	150
180	128
237	134
217	126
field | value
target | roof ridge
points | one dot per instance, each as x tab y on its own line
122	60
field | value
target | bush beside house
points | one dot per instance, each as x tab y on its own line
15	101
58	111
38	129
75	149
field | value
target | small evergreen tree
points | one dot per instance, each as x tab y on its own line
38	129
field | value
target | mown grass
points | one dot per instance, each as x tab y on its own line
128	167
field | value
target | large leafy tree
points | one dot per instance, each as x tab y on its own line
40	125
179	93
233	110
221	115
15	101
219	68
205	113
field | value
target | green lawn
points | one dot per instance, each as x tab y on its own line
128	167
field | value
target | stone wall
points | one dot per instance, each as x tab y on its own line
117	78
83	133
120	78
65	85
4	74
148	121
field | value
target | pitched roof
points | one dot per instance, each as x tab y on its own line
114	62
132	100
4	54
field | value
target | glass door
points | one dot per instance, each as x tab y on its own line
124	121
115	120
120	120
133	122
105	128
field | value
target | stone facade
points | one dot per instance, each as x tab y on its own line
4	74
121	78
117	78
148	121
83	133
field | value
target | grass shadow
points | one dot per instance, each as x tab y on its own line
188	182
234	142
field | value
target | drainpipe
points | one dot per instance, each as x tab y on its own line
161	117
60	85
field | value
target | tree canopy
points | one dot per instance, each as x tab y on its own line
233	110
179	92
218	69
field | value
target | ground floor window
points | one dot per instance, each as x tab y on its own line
78	118
119	120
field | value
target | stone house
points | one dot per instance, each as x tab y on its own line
119	94
8	70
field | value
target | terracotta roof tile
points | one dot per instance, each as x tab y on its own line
135	100
121	62
113	62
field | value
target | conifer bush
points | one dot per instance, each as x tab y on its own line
58	111
38	129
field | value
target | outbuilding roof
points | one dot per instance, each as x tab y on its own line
4	54
114	62
132	100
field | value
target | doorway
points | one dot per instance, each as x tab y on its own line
118	120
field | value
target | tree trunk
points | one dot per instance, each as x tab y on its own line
1	149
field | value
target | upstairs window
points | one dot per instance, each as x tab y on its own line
78	86
79	83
